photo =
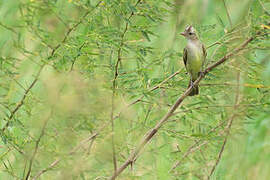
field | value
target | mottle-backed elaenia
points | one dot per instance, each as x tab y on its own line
194	57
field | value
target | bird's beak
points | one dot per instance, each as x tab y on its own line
182	33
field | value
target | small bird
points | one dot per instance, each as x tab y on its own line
194	56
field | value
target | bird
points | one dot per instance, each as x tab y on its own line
194	56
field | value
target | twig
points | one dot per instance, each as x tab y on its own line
21	102
193	146
259	86
216	106
228	127
190	150
265	10
77	56
10	171
152	89
37	145
8	28
119	52
116	68
211	45
227	12
54	163
92	136
149	135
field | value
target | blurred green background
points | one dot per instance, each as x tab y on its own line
77	79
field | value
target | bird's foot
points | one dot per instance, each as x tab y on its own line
191	84
202	73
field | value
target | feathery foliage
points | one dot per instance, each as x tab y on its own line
82	81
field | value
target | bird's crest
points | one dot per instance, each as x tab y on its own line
189	28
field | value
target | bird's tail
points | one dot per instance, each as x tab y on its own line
195	90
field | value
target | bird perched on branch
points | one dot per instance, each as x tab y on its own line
194	57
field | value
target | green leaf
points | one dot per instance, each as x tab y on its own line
145	34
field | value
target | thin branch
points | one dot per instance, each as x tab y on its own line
194	146
227	12
119	52
149	135
10	172
21	102
36	146
190	150
211	45
8	28
216	106
259	86
265	10
91	138
54	163
152	89
228	127
116	69
77	56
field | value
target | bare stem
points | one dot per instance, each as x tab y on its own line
116	69
227	12
228	127
36	146
75	149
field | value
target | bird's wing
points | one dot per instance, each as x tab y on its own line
185	57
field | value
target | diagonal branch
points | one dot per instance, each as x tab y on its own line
90	139
19	105
227	128
54	163
265	10
148	136
21	102
195	146
150	90
36	146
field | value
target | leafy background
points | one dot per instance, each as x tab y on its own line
82	81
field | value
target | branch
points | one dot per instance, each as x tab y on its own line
119	57
119	52
227	12
195	146
215	106
36	146
257	86
21	102
152	89
265	10
148	136
91	138
228	127
54	163
48	168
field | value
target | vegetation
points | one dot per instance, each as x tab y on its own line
98	90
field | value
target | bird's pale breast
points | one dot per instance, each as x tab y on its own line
194	59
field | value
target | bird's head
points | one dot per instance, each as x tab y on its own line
189	33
